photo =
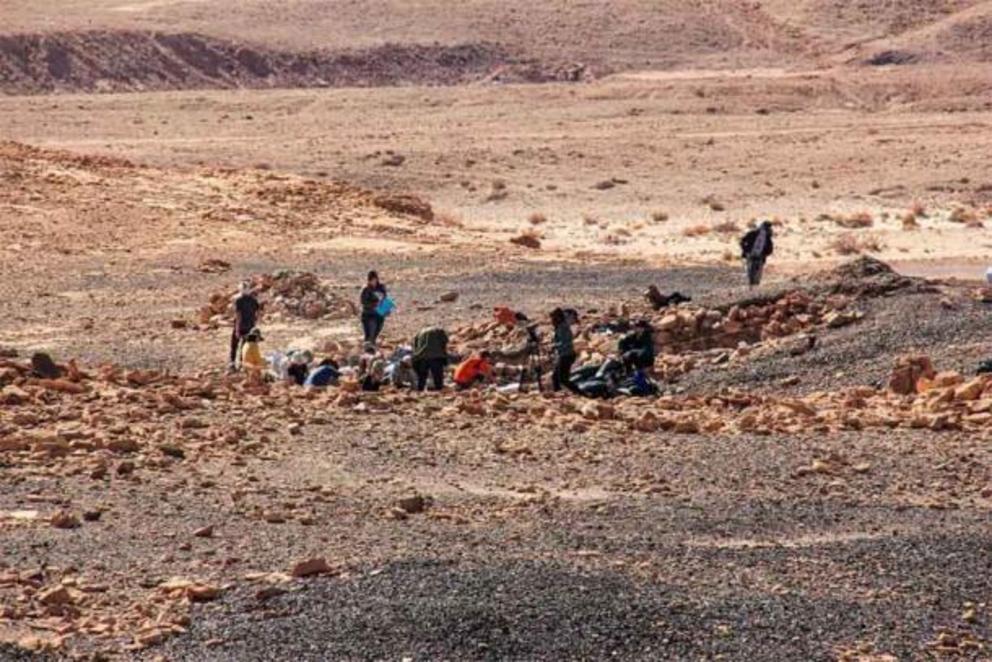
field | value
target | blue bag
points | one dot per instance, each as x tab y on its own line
385	307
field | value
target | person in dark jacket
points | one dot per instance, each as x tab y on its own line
372	295
246	309
637	347
563	345
756	246
430	356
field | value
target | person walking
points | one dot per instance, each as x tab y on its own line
430	356
756	247
373	294
564	352
246	310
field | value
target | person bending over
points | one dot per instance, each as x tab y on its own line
637	347
475	369
430	356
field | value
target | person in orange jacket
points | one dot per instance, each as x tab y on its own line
474	369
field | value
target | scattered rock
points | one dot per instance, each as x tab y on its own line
63	519
310	567
412	504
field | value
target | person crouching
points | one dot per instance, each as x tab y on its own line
476	369
252	361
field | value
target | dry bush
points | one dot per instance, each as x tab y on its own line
621	232
612	240
696	230
909	222
448	218
589	219
529	238
713	203
726	227
729	256
862	219
974	224
537	218
497	192
872	244
659	216
846	244
850	244
962	215
918	209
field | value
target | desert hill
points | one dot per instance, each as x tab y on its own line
94	45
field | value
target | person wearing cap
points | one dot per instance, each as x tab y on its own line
373	294
246	311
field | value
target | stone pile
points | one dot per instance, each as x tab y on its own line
298	294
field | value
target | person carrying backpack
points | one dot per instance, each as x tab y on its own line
756	247
373	294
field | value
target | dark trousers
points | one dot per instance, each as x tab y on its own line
637	359
755	265
561	375
372	324
434	367
235	345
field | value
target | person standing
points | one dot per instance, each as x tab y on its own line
430	356
373	294
564	352
756	247
246	309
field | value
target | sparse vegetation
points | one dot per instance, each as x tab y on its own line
856	221
909	222
659	216
963	215
698	230
726	227
537	218
850	244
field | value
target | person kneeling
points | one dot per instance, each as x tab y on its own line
430	356
476	369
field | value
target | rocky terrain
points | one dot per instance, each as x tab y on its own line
813	480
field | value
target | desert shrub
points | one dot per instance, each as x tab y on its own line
698	230
861	219
725	227
537	218
659	216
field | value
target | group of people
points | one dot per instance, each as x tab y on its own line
424	363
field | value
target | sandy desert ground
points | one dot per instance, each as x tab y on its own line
783	498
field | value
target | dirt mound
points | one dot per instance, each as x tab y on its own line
99	61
